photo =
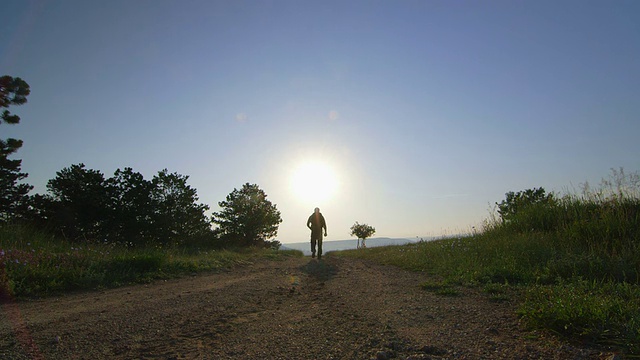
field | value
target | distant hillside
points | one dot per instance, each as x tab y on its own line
337	245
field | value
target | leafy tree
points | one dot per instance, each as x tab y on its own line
362	231
516	202
80	199
247	217
130	206
177	216
13	91
124	208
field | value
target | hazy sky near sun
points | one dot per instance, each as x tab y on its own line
425	112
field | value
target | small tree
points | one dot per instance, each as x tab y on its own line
247	217
516	202
362	231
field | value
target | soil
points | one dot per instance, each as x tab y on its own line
296	308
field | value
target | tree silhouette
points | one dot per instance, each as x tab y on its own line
516	202
362	231
177	214
80	202
247	217
13	196
130	207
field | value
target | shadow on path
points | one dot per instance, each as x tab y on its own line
320	270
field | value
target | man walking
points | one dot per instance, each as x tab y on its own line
316	223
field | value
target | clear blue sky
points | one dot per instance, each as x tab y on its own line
425	112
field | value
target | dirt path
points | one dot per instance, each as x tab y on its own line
297	308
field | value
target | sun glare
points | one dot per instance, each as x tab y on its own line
314	182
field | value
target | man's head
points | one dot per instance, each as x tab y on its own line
316	210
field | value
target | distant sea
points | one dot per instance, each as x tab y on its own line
337	245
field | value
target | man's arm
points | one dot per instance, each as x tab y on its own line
324	225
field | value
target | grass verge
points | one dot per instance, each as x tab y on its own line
33	264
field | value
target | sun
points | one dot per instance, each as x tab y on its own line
314	182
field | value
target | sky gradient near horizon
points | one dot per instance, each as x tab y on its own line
426	112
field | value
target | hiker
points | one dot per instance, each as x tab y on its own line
316	223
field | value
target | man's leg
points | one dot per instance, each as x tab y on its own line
313	247
319	247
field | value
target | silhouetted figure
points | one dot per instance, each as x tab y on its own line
316	223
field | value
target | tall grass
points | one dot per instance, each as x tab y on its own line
577	259
35	264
